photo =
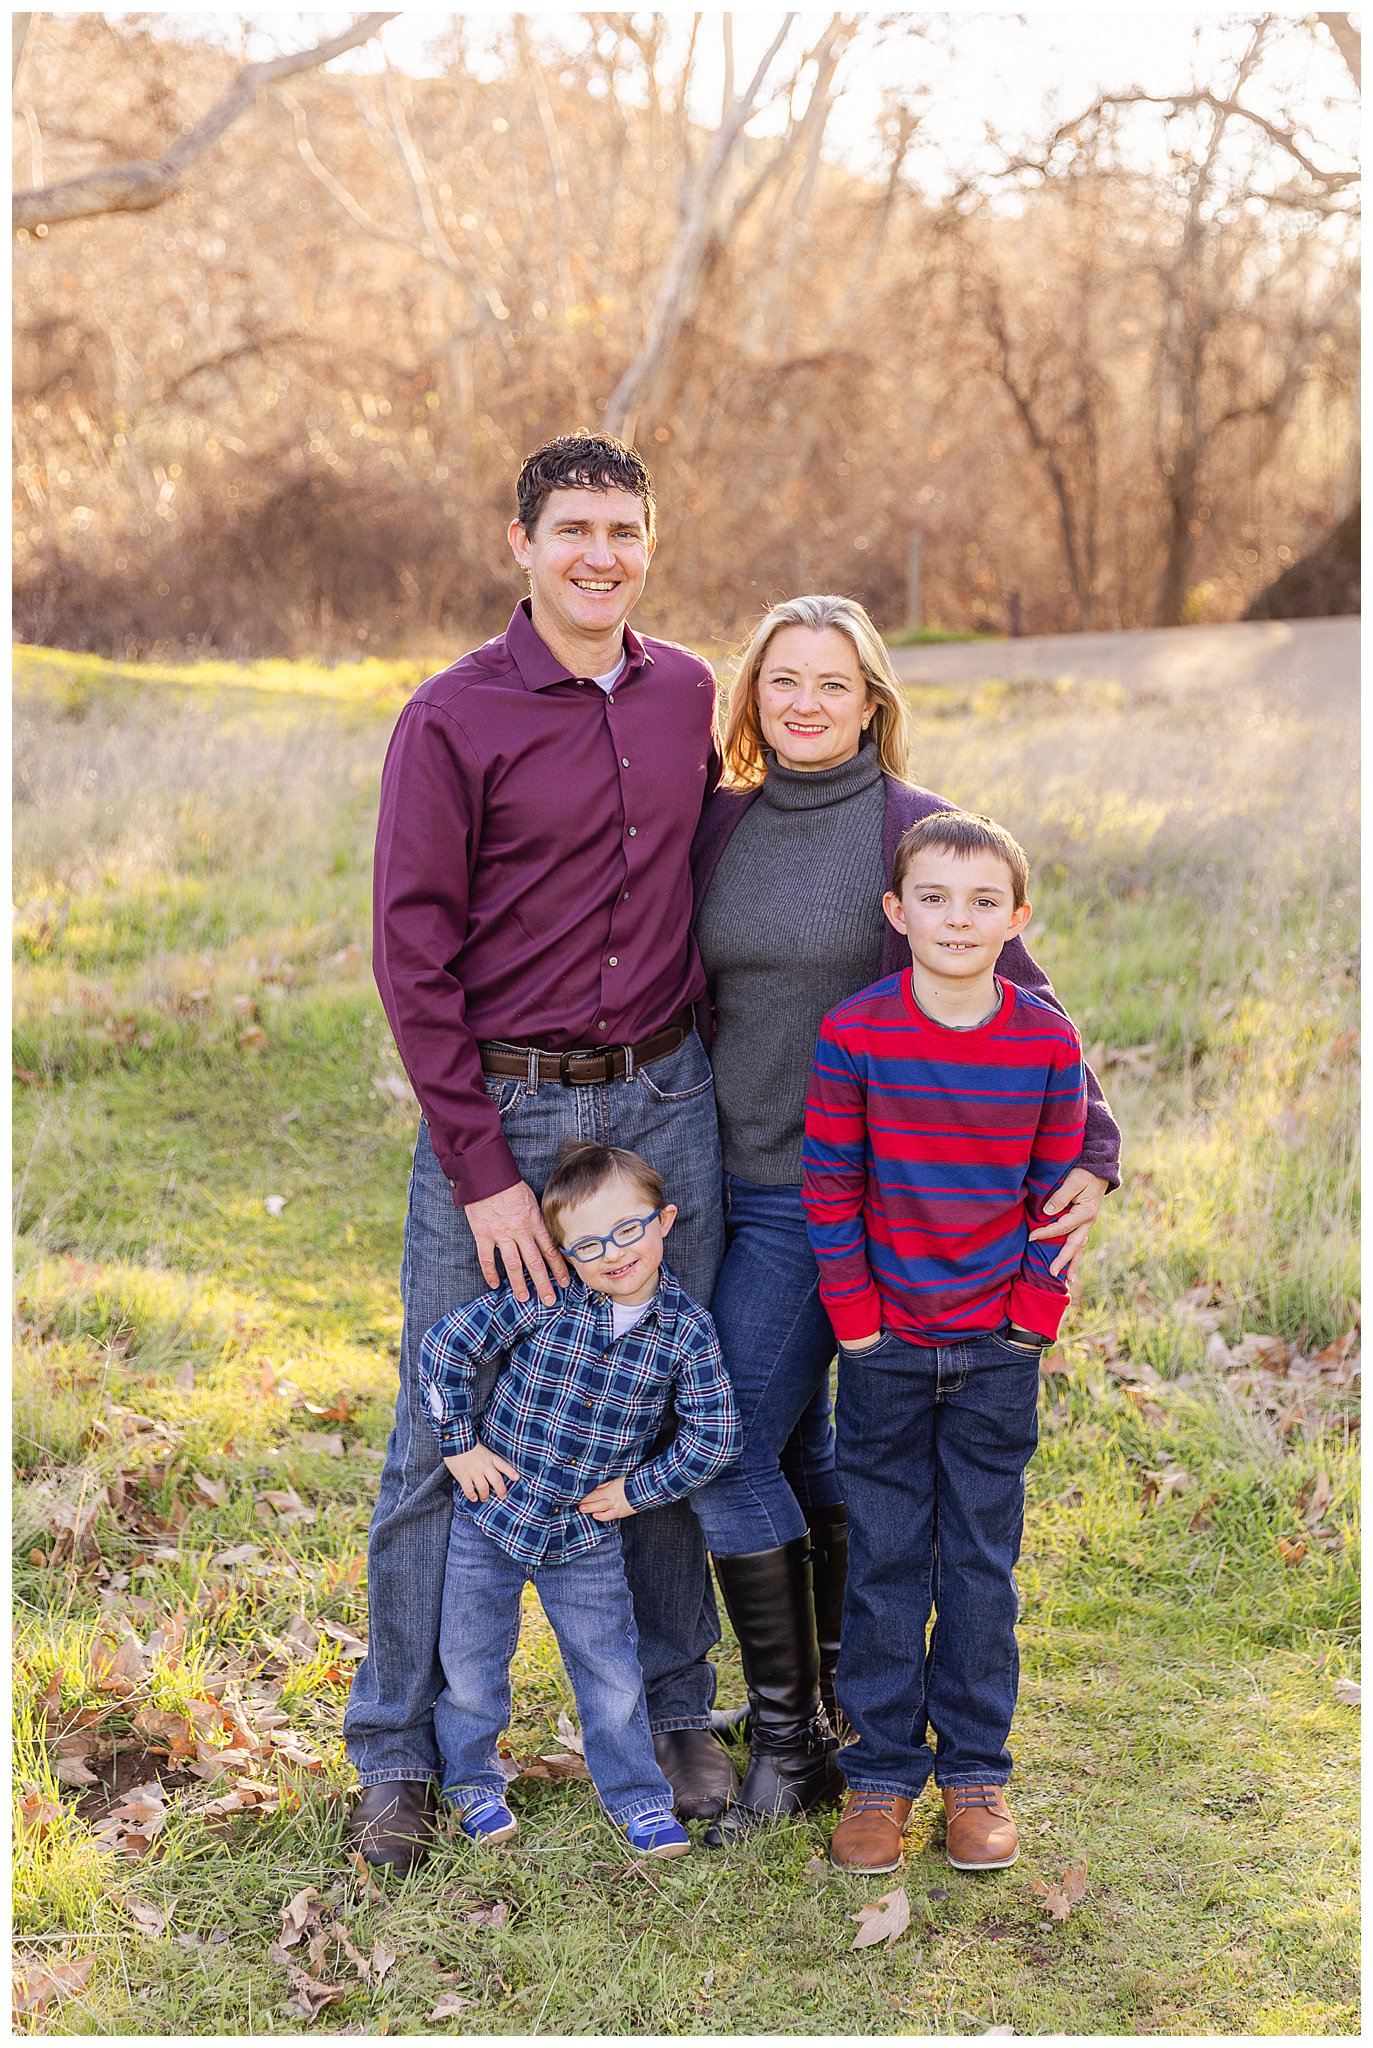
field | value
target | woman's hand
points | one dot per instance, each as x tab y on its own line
1074	1205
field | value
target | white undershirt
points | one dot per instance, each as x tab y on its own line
623	1316
612	676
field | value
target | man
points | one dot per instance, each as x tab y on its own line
533	951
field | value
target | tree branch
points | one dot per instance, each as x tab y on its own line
137	187
1345	37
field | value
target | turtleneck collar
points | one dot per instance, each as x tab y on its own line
810	789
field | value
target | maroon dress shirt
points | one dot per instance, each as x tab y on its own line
531	879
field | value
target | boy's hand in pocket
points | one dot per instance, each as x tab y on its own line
480	1473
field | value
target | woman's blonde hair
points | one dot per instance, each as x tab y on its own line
742	743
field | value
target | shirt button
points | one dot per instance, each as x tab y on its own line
614	960
603	1026
624	760
609	699
625	897
587	1402
633	831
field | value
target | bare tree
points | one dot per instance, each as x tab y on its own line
689	258
137	187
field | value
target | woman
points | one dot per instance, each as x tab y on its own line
790	862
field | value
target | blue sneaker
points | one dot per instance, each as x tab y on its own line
490	1820
657	1833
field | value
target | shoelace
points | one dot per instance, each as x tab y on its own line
871	1802
966	1796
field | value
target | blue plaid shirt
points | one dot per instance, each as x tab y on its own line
574	1407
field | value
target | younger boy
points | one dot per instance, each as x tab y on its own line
561	1458
945	1104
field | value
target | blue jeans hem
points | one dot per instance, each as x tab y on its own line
623	1815
684	1721
885	1786
395	1777
461	1797
971	1778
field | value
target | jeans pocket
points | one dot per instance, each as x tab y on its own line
884	1343
679	1075
505	1092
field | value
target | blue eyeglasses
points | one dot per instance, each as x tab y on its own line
621	1237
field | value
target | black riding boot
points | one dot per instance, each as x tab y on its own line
792	1752
829	1555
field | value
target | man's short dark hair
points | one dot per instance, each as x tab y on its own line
583	1169
586	462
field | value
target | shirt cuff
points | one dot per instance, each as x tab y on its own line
475	1171
457	1436
1036	1308
855	1315
645	1488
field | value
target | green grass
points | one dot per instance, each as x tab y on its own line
196	1031
933	636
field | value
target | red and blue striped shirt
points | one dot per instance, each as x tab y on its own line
929	1152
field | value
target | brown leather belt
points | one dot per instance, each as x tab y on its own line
587	1066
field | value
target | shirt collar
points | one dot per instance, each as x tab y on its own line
540	668
663	1306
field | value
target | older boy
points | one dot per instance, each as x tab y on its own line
945	1105
584	1388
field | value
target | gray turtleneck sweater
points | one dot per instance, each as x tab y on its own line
791	924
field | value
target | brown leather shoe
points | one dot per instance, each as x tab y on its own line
702	1778
868	1834
981	1832
392	1822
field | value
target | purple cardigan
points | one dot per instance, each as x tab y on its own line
906	804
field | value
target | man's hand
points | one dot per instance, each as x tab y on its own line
606	1502
480	1473
512	1224
1074	1205
862	1343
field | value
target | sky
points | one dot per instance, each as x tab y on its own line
1014	71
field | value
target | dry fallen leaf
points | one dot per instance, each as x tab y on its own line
450	2005
1314	1498
884	1920
36	1984
118	1667
329	1444
554	1769
364	1879
382	1959
489	1916
73	1770
214	1490
35	1815
171	1733
298	1916
568	1733
1199	1306
309	1995
151	1919
1348	1692
1290	1553
1058	1900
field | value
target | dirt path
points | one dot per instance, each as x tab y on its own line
1317	656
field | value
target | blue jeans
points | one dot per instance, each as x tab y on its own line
933	1442
666	1111
589	1610
778	1344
